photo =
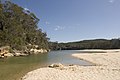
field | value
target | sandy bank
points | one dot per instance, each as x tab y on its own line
110	59
107	68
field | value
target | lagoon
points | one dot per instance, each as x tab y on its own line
15	67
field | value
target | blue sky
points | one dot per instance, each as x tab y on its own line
74	20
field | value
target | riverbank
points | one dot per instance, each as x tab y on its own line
7	51
107	68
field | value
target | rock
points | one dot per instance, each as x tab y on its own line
36	46
8	55
56	65
48	50
2	56
45	51
71	65
4	49
17	54
24	54
37	51
4	52
20	54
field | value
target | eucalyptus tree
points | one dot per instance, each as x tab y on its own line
18	27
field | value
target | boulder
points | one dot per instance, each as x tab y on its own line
17	54
45	51
20	54
55	65
4	51
71	65
8	55
37	51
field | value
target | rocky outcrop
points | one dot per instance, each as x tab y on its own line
5	52
8	55
20	53
37	51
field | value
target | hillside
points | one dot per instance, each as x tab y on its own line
19	29
87	44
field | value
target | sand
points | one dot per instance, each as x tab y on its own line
107	67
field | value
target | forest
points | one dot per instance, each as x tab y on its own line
87	44
19	28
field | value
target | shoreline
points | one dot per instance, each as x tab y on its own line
101	59
107	68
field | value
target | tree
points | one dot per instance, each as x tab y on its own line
18	27
115	43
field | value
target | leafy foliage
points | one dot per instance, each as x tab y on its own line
18	27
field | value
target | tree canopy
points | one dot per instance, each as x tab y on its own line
18	27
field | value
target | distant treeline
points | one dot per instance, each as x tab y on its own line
87	44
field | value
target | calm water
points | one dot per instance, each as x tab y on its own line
15	67
65	57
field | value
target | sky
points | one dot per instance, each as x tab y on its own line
75	20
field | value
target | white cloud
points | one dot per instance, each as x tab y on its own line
47	23
111	1
56	29
59	28
26	9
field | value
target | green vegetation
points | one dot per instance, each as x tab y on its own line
18	28
87	44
